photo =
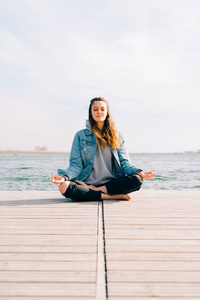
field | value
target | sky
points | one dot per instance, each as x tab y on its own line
141	55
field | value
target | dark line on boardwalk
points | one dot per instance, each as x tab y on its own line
104	249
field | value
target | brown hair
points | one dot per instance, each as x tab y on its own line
108	135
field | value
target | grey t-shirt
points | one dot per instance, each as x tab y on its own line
102	170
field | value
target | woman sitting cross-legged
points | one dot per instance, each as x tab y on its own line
99	166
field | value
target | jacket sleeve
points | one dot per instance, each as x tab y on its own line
124	159
75	161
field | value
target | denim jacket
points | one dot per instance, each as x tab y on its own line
83	153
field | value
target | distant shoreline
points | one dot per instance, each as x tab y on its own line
37	153
26	153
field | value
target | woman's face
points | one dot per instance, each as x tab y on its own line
99	111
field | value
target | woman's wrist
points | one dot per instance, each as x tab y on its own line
140	172
66	178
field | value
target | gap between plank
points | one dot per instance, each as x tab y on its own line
101	282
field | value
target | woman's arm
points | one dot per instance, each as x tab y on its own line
128	168
75	161
124	159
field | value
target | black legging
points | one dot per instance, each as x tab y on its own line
122	185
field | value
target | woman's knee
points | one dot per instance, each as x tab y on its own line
64	186
78	192
136	182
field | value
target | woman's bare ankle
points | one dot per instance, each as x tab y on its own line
115	197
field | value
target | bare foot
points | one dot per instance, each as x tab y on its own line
115	197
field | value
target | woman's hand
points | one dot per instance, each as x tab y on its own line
57	179
146	175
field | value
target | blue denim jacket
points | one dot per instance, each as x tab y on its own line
83	153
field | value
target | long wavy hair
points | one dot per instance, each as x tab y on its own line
108	135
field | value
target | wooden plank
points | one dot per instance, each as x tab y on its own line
151	221
152	242
148	227
161	214
151	249
88	297
48	240
49	210
47	222
47	289
45	216
154	202
48	265
56	231
144	298
48	257
152	206
187	208
47	276
154	289
154	265
48	249
43	204
154	276
47	213
153	234
153	256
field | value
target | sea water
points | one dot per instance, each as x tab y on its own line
173	171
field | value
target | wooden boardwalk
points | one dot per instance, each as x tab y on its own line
51	248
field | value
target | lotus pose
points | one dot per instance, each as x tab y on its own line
99	166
